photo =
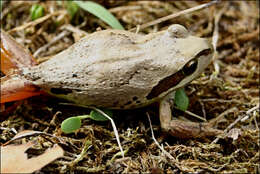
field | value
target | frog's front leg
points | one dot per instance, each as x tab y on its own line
183	129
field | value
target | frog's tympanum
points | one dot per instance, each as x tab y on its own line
113	69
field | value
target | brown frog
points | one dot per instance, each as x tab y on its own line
116	69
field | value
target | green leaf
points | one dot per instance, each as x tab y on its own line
101	13
37	11
94	115
1	5
181	100
72	8
71	124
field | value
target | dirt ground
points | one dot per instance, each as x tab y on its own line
228	91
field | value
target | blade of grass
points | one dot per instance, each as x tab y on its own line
101	13
72	8
1	4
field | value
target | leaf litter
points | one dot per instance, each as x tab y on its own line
15	160
229	87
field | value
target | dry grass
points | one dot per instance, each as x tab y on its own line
226	91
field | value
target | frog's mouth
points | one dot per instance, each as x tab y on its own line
173	80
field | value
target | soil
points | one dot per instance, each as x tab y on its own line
226	93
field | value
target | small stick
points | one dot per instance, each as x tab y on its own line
214	120
114	128
195	115
192	114
237	120
157	143
86	146
28	133
165	18
54	40
215	38
37	21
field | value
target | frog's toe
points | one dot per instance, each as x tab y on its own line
183	129
187	129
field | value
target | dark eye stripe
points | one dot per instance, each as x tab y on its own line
171	81
203	52
166	84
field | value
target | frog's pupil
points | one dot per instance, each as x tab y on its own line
189	68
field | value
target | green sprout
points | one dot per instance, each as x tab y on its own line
72	8
36	11
181	99
71	124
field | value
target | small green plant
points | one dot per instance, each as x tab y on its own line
72	8
71	124
36	11
95	9
181	99
1	5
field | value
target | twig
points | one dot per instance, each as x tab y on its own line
195	115
9	129
236	121
192	114
54	40
87	145
156	142
203	108
215	41
165	18
124	8
256	125
29	133
37	21
220	100
213	121
73	29
114	128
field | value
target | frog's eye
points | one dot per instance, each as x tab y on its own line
191	66
178	31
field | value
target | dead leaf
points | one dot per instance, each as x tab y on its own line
15	154
234	133
29	133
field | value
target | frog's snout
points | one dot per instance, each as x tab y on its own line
178	31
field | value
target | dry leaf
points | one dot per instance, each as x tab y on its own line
234	133
15	154
27	133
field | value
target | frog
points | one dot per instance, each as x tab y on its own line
118	69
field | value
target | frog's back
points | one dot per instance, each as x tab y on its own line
113	69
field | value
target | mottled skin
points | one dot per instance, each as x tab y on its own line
121	70
118	69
